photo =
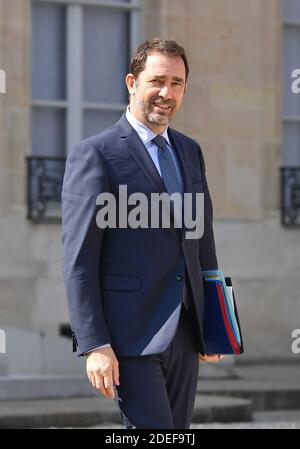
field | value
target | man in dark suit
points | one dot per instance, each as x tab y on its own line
135	294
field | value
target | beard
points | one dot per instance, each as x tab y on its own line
158	117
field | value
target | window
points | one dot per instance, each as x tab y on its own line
291	101
80	53
290	188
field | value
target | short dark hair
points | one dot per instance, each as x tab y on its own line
156	45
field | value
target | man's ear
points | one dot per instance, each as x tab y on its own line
185	87
130	83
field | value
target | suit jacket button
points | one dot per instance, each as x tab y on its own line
179	277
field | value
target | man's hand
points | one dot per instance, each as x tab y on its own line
211	358
102	368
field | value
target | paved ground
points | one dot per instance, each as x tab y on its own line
281	419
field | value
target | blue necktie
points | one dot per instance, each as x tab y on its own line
168	169
167	166
169	173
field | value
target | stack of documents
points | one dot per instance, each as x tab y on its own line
222	332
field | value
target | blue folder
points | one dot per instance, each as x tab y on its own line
222	332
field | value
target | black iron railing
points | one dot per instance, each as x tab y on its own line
44	185
45	177
290	196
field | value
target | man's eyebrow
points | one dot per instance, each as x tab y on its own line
156	76
175	78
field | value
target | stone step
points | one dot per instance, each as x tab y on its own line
215	372
221	409
42	387
83	412
264	394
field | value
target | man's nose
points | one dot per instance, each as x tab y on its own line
165	92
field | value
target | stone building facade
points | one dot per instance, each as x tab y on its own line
233	107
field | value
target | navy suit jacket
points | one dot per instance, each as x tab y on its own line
123	284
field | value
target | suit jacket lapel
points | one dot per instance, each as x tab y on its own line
138	151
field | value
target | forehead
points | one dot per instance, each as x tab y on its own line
164	65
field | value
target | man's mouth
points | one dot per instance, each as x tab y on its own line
165	107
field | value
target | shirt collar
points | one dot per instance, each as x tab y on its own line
144	133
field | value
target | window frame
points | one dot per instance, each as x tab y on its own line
290	172
74	104
288	118
45	172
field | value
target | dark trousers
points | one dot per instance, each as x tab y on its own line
158	391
